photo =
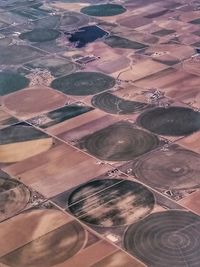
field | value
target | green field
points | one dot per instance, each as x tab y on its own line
103	10
40	35
120	42
11	82
83	83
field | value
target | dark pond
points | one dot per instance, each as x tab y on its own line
86	35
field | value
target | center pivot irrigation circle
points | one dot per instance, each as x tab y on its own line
83	83
171	169
13	197
111	202
163	239
116	105
119	142
40	35
103	10
53	248
172	121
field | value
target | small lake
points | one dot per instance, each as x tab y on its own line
86	35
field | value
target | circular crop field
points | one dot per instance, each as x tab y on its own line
11	82
119	142
83	83
40	35
103	10
14	197
169	238
34	100
176	169
173	121
57	66
54	247
111	202
116	105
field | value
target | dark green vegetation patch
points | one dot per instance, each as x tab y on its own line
163	32
83	83
40	35
11	82
59	115
119	42
20	133
103	10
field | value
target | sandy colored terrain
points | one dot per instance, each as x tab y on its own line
54	171
19	151
23	103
